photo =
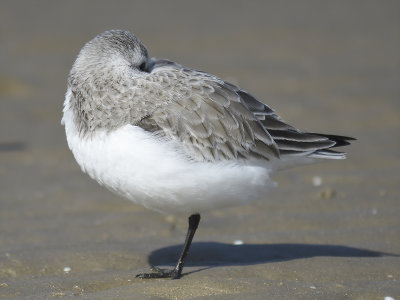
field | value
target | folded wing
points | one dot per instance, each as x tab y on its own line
215	120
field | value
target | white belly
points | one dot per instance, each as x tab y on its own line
153	172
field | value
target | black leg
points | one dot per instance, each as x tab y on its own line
176	273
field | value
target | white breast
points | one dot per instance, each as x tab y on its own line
155	173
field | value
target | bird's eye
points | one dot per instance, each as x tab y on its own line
142	67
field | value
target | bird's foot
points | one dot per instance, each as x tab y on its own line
160	273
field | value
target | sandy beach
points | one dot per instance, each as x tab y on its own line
328	231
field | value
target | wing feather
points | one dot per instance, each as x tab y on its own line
216	120
204	114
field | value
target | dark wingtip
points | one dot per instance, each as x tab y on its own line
339	140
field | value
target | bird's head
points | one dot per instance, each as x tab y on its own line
113	52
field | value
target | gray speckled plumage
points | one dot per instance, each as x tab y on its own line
113	83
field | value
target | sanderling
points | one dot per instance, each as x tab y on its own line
174	139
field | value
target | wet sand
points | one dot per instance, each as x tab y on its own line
331	67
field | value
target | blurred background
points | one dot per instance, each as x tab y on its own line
329	230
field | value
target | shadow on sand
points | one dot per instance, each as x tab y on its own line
12	146
213	254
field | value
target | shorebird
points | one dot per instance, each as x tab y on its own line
175	139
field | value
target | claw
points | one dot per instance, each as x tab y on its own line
176	273
160	273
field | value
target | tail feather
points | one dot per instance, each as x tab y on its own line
307	144
338	139
291	141
330	154
327	152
